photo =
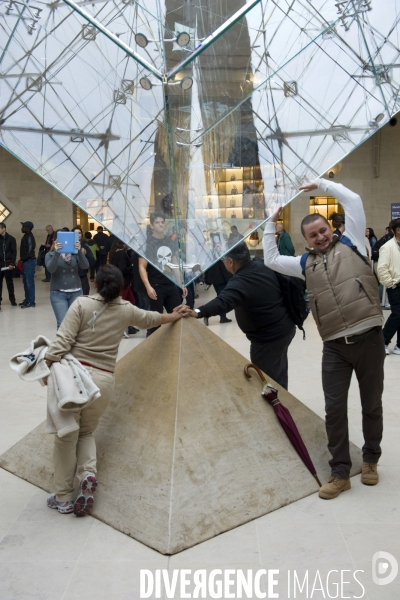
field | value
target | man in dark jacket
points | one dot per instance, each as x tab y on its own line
102	241
48	243
284	241
8	257
28	257
83	273
255	295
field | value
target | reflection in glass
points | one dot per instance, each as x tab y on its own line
126	113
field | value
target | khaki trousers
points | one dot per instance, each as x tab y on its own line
75	453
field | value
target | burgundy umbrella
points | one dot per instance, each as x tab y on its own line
285	419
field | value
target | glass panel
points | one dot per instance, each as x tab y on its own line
281	94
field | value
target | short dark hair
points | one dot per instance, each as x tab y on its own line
395	224
156	215
239	254
109	282
337	220
88	235
311	219
3	225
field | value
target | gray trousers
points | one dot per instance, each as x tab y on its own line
366	359
271	357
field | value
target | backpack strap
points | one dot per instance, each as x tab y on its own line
303	260
347	242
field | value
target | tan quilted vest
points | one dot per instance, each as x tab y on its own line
342	290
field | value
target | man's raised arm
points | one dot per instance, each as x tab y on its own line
288	265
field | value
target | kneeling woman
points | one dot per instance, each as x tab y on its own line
96	347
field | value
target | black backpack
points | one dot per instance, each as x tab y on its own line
293	291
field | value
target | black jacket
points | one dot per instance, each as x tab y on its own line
8	250
255	295
378	246
90	259
121	260
28	245
217	274
102	239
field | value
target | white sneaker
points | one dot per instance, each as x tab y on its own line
396	349
386	305
126	334
387	351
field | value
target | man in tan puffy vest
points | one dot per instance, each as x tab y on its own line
344	300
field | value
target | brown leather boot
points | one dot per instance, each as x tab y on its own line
333	488
369	474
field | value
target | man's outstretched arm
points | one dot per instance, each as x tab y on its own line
288	265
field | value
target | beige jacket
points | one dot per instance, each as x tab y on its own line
342	290
98	344
389	264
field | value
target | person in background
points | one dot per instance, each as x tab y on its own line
369	233
338	224
218	276
283	241
381	242
344	300
234	236
65	283
28	258
94	249
8	258
83	273
96	347
160	250
48	243
389	275
120	259
102	242
375	257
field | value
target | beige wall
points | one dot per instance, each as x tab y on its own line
357	173
30	198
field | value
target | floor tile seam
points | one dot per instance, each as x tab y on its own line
344	540
174	443
78	559
258	542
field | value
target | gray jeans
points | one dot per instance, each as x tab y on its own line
366	359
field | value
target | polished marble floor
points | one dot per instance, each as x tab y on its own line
45	555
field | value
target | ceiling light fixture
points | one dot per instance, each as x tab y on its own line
182	39
196	145
185	83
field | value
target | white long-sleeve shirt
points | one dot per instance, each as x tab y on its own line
355	229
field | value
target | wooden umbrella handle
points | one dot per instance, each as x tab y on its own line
260	373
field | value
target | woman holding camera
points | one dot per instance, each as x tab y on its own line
65	283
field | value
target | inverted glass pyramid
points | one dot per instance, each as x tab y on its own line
210	112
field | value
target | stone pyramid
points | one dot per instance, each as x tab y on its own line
188	448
